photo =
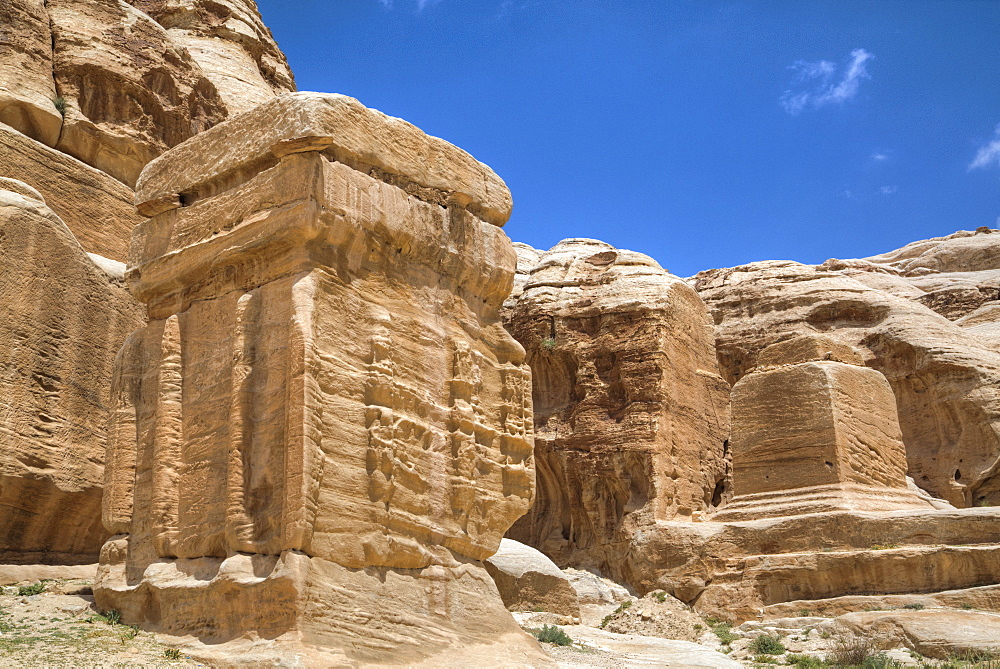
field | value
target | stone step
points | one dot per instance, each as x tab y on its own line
981	598
747	587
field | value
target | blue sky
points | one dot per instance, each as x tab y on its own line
706	134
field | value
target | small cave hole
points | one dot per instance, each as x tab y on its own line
725	448
828	464
720	490
958	475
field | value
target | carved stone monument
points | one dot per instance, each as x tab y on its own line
324	429
816	430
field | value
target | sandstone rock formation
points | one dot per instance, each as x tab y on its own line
815	508
130	91
115	86
232	45
812	433
945	377
942	635
529	581
62	320
98	209
324	423
631	415
27	89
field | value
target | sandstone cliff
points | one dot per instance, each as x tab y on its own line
63	316
114	85
631	415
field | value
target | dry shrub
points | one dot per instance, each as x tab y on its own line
853	648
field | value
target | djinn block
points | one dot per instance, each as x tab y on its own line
324	429
814	430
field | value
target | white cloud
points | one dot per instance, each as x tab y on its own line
815	84
888	190
988	154
421	4
880	156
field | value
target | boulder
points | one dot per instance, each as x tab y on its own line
98	209
62	320
230	43
593	589
130	91
324	423
631	415
529	581
27	90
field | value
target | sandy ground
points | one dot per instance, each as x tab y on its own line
60	627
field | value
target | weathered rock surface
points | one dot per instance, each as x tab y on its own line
131	92
593	589
945	377
98	209
811	433
938	634
27	89
230	43
324	422
529	581
62	320
635	650
631	415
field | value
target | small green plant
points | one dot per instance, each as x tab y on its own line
880	661
982	502
698	628
660	596
549	343
806	613
764	659
29	590
722	630
884	547
60	105
131	632
975	657
113	617
965	606
621	607
172	654
552	634
804	661
916	606
767	645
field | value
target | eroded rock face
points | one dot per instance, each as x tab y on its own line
324	413
946	378
27	90
130	91
631	415
812	433
114	85
230	43
62	320
98	209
